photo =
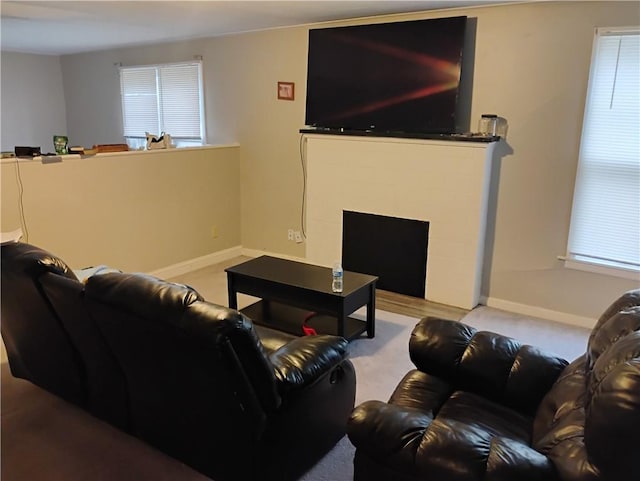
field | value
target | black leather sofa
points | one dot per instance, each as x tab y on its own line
481	406
196	380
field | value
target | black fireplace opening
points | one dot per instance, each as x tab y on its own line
392	248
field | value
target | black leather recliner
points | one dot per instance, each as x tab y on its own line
204	389
481	406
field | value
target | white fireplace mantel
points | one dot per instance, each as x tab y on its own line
440	181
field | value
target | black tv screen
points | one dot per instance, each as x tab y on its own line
390	77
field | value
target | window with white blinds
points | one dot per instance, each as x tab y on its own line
605	219
163	98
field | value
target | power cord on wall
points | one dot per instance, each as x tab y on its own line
23	219
304	186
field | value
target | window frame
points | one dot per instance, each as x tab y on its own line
575	260
139	142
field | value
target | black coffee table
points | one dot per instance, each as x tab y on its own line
294	291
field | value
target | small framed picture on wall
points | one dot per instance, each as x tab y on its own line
286	90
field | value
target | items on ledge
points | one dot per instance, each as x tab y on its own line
102	148
82	151
156	143
27	151
61	144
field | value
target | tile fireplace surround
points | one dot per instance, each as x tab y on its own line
443	182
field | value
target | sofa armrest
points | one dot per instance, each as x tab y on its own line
494	366
387	430
304	360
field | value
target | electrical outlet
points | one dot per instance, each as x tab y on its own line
214	231
298	236
290	234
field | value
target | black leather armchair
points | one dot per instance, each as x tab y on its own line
481	406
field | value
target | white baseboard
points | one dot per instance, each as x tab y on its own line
215	258
535	311
258	253
197	263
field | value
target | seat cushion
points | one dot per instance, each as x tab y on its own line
435	397
485	417
474	434
429	431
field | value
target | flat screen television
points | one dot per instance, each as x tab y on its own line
388	77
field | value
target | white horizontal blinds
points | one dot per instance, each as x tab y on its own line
180	100
163	98
605	221
139	101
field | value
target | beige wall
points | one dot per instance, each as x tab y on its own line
532	64
137	211
531	67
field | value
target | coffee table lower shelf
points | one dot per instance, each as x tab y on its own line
290	319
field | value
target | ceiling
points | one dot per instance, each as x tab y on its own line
59	28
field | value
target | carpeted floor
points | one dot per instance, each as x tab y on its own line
45	438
